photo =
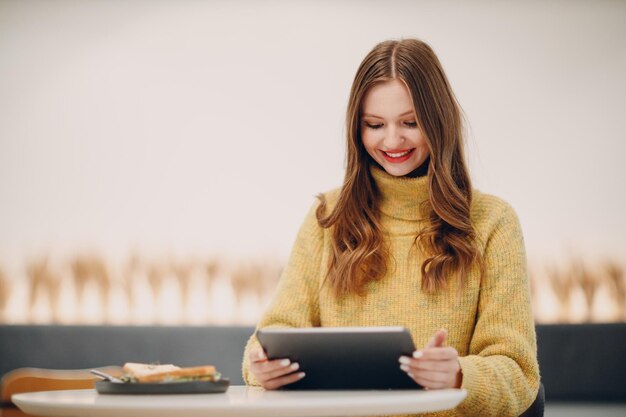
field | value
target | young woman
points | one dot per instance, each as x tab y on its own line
406	241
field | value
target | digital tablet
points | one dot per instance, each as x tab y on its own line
336	358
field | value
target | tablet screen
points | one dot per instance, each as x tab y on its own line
343	357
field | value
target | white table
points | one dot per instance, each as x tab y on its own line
240	401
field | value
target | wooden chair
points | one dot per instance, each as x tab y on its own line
37	379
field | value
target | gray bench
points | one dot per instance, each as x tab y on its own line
583	362
577	362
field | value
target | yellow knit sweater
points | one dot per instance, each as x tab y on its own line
490	324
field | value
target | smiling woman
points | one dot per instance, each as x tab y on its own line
406	241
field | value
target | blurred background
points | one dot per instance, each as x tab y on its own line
158	157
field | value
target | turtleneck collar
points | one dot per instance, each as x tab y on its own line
400	197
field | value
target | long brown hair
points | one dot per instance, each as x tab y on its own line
359	255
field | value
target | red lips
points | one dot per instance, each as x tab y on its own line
397	160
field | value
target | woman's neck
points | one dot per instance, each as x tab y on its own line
420	171
400	197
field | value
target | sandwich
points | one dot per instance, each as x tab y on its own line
149	373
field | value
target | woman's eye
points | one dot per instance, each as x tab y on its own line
373	126
411	124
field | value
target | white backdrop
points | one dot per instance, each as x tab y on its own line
208	126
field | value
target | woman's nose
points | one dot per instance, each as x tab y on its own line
394	138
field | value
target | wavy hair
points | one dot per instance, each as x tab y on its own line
359	255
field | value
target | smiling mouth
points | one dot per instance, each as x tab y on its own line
398	154
397	157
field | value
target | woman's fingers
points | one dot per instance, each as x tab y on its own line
279	382
431	379
438	354
281	371
422	371
432	356
259	364
431	375
256	355
428	383
440	366
274	373
433	367
270	367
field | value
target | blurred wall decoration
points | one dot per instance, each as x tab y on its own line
86	289
135	135
579	292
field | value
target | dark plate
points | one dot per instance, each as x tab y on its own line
194	387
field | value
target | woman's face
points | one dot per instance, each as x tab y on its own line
389	128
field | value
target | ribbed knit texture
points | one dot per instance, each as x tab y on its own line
490	324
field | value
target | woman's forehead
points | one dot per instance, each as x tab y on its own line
387	99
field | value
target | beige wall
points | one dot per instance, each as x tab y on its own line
193	127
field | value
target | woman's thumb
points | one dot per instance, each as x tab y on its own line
257	354
438	339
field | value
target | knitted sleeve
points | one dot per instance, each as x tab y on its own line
295	302
501	373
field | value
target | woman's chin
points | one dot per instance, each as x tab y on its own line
399	170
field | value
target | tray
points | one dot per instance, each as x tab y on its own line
193	387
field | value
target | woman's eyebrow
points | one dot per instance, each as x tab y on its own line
378	117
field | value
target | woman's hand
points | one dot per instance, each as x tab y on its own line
275	373
435	366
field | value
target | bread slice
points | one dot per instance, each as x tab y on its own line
143	370
157	373
196	371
